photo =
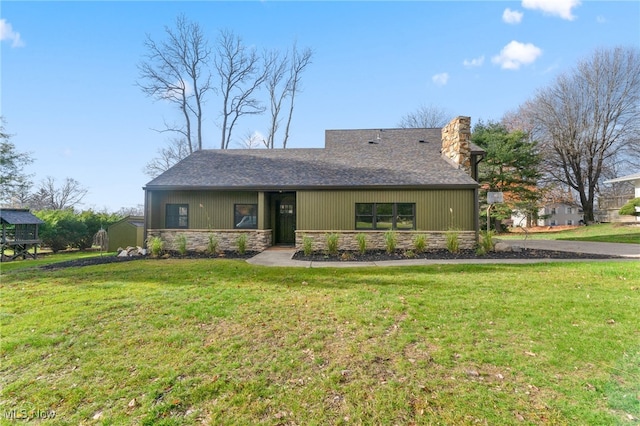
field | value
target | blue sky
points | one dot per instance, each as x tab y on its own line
69	70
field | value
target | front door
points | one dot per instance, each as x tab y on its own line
285	216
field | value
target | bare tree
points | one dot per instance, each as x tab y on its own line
253	140
283	82
276	71
426	117
240	76
51	197
589	119
300	60
176	150
176	70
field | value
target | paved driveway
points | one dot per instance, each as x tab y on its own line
613	249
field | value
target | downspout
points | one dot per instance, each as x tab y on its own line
146	216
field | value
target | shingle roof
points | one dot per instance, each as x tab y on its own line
18	217
397	158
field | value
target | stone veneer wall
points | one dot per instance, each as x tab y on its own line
456	137
198	239
375	239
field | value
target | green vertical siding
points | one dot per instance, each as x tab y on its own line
207	210
436	210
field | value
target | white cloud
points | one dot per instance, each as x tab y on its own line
516	54
512	16
472	63
440	79
560	8
7	33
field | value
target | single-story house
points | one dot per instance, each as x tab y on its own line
363	181
127	232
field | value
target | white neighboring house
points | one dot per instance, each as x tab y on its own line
557	214
635	180
553	214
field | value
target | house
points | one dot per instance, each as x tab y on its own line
611	205
127	232
362	181
557	214
19	234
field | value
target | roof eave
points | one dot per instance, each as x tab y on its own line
266	188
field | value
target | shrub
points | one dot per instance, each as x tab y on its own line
94	222
66	229
390	240
307	245
486	241
156	246
181	244
453	241
62	229
242	243
212	245
420	243
332	243
630	208
409	254
362	243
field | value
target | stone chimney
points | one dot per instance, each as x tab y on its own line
456	139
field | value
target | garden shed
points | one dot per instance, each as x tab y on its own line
128	232
19	234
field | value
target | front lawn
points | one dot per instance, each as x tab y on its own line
223	342
601	232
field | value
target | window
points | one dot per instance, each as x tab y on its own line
177	216
245	216
554	210
569	210
569	222
400	216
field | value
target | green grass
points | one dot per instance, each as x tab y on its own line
156	342
603	232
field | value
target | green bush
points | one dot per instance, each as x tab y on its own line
155	246
62	229
362	243
390	240
212	245
629	209
241	242
486	241
94	221
332	243
181	244
420	243
307	245
453	241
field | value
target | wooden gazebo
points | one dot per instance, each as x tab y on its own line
19	233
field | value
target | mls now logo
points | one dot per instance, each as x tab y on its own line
24	414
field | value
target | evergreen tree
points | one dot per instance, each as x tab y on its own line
511	165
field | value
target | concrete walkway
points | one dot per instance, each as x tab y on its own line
278	256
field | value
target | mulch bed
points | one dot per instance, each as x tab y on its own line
170	255
380	255
342	256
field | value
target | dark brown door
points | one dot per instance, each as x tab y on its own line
286	220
